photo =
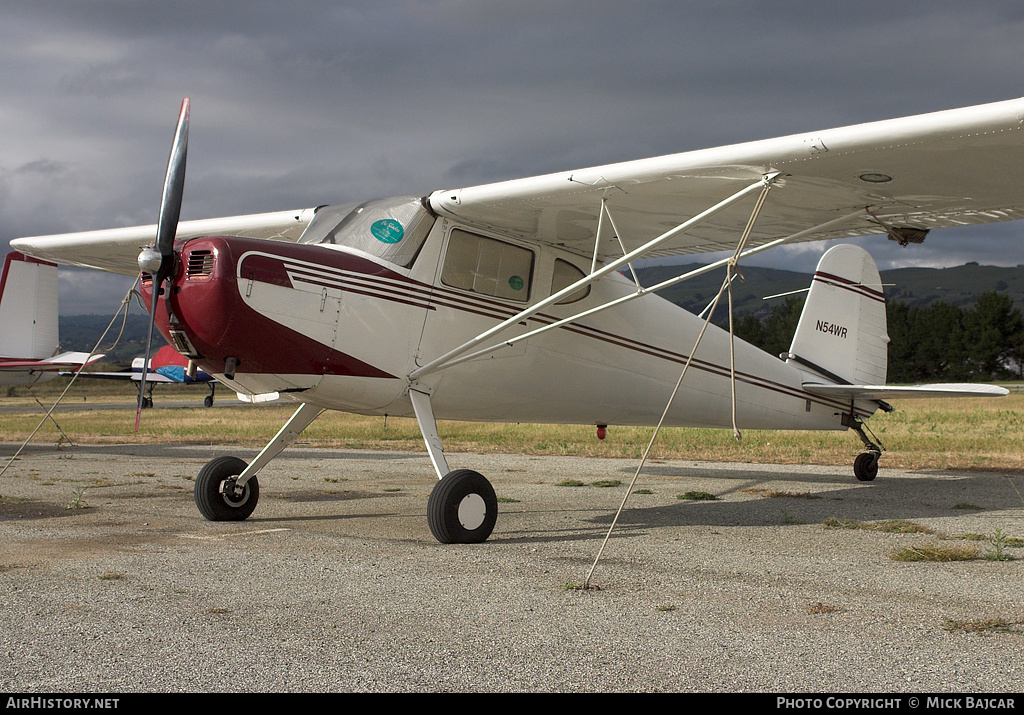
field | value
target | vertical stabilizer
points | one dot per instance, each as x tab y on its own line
842	331
28	308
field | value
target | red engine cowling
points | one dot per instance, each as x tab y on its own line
207	319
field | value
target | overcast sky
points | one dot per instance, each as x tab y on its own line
301	103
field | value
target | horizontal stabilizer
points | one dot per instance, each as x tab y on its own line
887	392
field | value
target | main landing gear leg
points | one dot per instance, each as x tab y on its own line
462	507
865	466
227	489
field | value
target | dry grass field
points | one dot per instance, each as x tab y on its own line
985	434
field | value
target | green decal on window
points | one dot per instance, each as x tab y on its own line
516	283
387	230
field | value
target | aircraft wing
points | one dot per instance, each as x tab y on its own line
888	392
950	168
62	361
117	250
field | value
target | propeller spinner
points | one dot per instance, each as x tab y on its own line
158	259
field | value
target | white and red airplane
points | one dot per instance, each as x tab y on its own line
29	324
505	302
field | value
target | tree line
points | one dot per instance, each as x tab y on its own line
940	342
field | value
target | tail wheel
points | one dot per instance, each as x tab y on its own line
462	508
215	491
865	466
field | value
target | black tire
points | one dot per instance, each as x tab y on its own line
208	401
865	466
214	505
466	491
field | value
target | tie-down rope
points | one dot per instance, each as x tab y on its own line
125	303
731	268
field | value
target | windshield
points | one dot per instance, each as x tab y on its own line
392	229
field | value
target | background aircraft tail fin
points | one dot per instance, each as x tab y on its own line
28	308
842	335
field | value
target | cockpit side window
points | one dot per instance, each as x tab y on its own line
487	266
392	229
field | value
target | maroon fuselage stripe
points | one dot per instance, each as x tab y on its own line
852	286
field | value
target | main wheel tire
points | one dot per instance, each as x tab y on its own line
462	508
865	466
208	401
216	506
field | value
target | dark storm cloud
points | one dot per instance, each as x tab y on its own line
302	103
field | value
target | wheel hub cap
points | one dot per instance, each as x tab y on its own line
472	511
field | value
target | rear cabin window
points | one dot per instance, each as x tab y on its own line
564	275
487	266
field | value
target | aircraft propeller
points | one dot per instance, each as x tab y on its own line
158	259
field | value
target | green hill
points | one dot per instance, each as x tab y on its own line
958	286
80	332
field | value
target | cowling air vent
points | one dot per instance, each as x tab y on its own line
182	344
200	265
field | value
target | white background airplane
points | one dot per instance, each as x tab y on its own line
505	301
29	324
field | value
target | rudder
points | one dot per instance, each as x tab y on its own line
28	308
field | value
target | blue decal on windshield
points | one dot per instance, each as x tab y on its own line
387	230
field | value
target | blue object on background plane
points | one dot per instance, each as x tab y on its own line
167	365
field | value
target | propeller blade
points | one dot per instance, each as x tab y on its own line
174	187
158	260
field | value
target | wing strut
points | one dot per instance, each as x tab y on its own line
618	237
643	250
